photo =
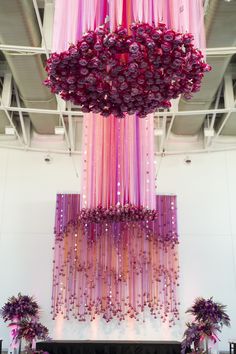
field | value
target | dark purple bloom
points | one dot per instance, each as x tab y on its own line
156	34
150	44
134	48
208	310
108	61
209	317
83	62
98	46
127	212
16	308
89	38
100	31
169	35
84	46
31	330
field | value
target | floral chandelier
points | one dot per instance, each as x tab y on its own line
116	244
120	72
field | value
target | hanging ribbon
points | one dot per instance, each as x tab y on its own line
114	261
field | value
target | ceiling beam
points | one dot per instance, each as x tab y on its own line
76	114
208	141
163	136
47	55
71	128
174	109
7	89
11	121
79	152
225	121
22	49
22	122
48	17
230	101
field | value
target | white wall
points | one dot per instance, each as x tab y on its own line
206	193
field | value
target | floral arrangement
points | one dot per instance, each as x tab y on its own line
23	313
20	307
117	73
209	311
196	333
127	212
31	330
209	317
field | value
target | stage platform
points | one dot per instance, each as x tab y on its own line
110	347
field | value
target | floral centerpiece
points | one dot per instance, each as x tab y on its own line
209	318
117	213
23	313
20	307
135	71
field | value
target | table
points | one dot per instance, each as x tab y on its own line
110	347
232	347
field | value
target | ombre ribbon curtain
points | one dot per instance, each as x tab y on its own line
107	264
111	269
72	18
118	164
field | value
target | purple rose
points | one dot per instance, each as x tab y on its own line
98	46
156	35
134	48
89	38
100	31
187	38
169	35
84	46
121	31
166	46
84	71
83	62
150	44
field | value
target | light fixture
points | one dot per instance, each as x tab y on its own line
59	130
187	160
208	132
9	130
158	132
48	159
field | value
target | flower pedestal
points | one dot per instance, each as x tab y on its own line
15	346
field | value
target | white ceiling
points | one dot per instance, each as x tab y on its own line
206	123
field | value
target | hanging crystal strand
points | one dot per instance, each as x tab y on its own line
138	249
119	182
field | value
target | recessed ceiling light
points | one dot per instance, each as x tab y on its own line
158	132
209	132
9	130
59	130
